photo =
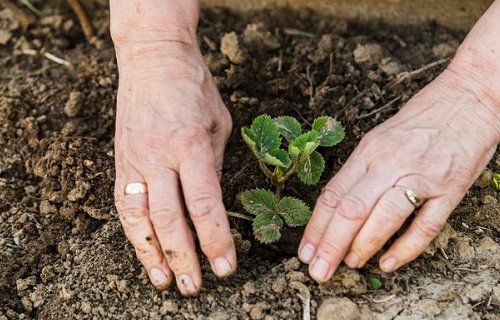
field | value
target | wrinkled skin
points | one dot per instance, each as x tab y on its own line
435	146
172	127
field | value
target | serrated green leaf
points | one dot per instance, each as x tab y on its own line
289	127
310	169
278	158
306	143
330	131
266	133
267	227
268	234
295	212
249	137
375	283
259	201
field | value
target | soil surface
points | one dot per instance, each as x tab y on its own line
63	254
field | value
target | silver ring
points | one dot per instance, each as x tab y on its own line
136	188
413	198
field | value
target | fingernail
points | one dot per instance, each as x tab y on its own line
221	267
307	253
187	285
352	260
389	264
158	277
319	269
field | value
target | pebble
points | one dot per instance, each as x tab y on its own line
73	105
338	309
368	54
484	179
230	46
5	36
169	307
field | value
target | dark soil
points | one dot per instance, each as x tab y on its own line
63	254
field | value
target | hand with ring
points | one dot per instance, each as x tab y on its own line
425	158
171	131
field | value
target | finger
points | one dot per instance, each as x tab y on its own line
134	216
327	202
349	216
425	227
203	198
387	217
172	230
220	136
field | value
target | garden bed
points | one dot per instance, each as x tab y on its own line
63	253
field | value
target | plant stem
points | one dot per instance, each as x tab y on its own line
267	172
239	215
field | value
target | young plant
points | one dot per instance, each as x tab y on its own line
264	137
496	180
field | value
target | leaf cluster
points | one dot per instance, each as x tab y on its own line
271	213
265	135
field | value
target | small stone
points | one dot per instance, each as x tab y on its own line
218	315
122	286
86	307
296	276
441	241
169	307
5	36
257	35
391	68
258	311
24	284
367	54
249	288
230	46
88	163
338	309
279	285
484	179
292	264
445	49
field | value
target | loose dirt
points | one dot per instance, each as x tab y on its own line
63	254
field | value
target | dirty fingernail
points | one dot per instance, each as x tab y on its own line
158	277
307	253
319	269
221	267
187	285
389	264
352	260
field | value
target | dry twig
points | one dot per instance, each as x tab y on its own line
25	17
387	105
410	74
83	18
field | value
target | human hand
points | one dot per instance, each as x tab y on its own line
171	131
436	146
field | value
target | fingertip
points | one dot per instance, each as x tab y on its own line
389	263
352	260
306	253
160	278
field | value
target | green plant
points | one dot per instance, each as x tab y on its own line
496	181
264	137
375	283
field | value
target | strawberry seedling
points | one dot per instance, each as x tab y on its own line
265	139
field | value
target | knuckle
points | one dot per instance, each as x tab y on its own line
202	205
352	207
330	249
428	228
165	219
133	212
392	207
330	197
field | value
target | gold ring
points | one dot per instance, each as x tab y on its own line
413	198
136	188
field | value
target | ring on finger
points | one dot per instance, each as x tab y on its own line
136	188
415	200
